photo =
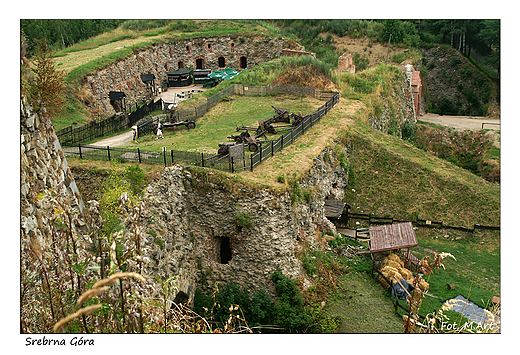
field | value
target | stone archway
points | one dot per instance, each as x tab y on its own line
221	62
200	63
243	62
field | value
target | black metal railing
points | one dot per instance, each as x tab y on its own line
267	148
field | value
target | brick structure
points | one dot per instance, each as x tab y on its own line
345	63
416	92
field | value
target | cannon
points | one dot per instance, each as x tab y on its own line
245	138
297	119
266	125
169	109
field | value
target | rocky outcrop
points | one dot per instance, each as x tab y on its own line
454	85
205	228
396	108
43	168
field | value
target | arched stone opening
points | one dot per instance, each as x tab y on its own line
200	63
243	62
221	62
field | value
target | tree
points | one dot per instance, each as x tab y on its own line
394	28
46	85
490	35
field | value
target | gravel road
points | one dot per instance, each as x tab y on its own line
462	122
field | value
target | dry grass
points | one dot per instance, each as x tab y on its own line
298	157
75	59
83	311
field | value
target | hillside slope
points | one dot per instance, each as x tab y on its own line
392	177
454	86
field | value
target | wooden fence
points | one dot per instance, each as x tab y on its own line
347	216
245	90
72	136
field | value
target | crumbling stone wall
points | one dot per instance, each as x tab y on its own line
236	53
397	108
346	64
189	211
43	167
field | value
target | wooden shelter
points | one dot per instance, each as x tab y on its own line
117	100
149	80
180	77
334	208
392	237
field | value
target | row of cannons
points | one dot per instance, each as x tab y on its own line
254	137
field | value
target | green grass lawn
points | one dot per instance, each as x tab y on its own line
475	273
222	120
362	306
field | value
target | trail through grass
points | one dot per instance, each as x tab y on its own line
361	305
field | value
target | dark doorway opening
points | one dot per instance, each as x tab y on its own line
225	250
180	65
200	63
243	62
221	62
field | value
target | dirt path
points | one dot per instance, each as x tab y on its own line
462	122
467	123
75	59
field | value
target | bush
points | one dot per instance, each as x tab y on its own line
399	57
289	312
257	308
407	131
446	107
243	219
296	190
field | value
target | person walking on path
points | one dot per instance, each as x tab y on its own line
159	131
134	134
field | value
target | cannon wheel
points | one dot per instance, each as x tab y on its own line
190	125
238	139
253	147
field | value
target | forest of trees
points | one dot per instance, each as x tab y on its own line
63	33
466	35
470	35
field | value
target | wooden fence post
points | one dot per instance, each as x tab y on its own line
202	158
139	155
164	155
79	147
108	152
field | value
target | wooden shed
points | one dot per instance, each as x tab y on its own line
180	77
395	237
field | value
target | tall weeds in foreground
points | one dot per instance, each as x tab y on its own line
438	321
92	283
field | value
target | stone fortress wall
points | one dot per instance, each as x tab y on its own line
203	53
